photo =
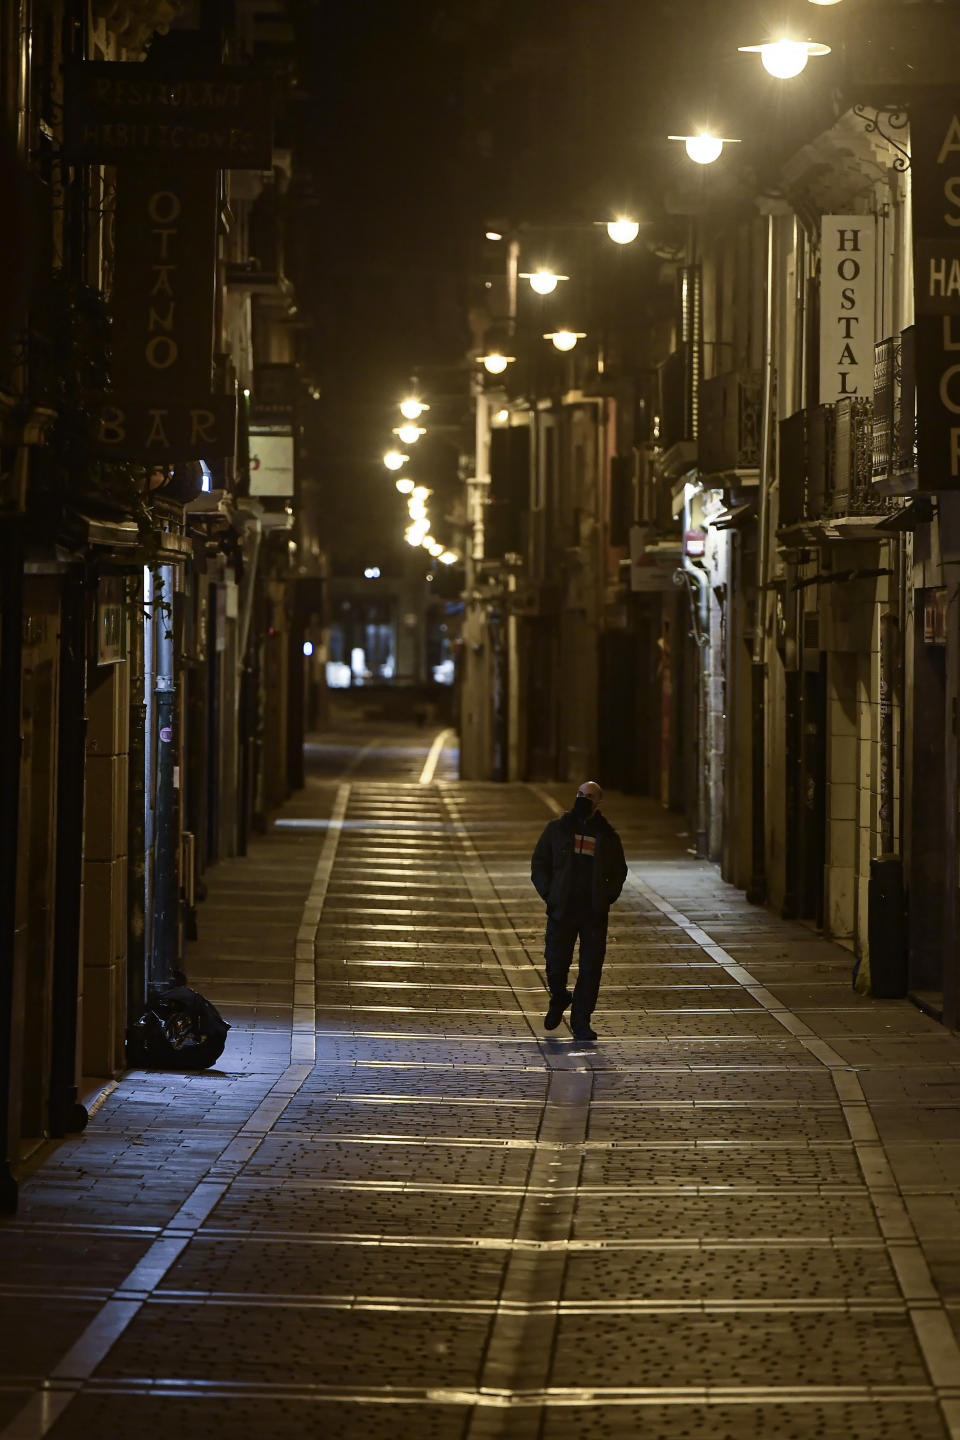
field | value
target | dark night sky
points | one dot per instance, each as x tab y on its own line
423	121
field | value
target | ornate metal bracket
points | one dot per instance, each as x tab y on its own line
895	120
683	578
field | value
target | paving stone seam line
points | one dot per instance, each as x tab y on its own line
558	1397
928	1313
303	1035
565	1112
433	756
44	1408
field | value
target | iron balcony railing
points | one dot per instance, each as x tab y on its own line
894	448
826	464
731	411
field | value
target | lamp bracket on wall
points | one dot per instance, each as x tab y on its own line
894	120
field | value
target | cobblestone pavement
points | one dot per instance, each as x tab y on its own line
397	1208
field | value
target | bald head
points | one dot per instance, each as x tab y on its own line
591	791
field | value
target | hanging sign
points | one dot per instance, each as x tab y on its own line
161	408
122	113
935	147
156	432
165	278
847	279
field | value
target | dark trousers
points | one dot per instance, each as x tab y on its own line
562	933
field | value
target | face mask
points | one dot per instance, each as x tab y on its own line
582	807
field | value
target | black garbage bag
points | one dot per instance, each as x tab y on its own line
179	1030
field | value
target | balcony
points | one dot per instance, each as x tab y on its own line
731	411
894	460
826	474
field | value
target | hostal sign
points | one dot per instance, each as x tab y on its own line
847	245
935	146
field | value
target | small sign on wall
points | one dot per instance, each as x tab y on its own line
847	283
271	463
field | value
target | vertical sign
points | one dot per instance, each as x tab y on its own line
847	279
166	268
935	147
161	409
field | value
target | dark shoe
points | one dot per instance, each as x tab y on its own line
555	1011
583	1032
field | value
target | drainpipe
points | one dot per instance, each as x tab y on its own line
11	743
137	812
163	950
699	620
757	889
65	1112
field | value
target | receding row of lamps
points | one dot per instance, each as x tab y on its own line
783	58
417	532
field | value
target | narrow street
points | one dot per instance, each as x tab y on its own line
398	1208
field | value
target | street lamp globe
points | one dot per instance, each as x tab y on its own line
703	148
544	282
412	409
623	231
785	58
404	485
447	558
395	459
495	363
409	434
565	339
420	492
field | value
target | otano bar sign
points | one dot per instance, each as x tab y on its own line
162	408
935	146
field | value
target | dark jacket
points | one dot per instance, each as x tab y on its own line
551	868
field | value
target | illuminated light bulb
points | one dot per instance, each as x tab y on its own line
428	541
447	558
565	339
703	148
502	416
623	231
824	2
785	58
493	235
436	549
495	364
409	434
307	649
421	492
404	486
412	409
543	281
416	509
395	459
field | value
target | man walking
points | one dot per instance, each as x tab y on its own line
578	869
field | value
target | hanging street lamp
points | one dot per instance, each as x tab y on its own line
395	459
565	339
785	58
623	231
704	147
544	282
